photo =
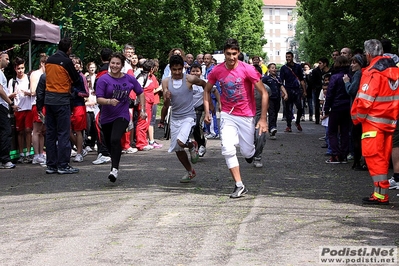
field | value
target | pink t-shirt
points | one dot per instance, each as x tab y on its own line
237	86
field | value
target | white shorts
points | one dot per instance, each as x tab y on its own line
237	130
180	130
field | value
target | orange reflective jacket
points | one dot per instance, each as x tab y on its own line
377	100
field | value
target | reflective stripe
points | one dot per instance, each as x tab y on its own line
369	134
380	190
379	178
364	96
378	195
367	97
377	119
387	98
381	120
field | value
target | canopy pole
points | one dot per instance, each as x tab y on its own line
30	55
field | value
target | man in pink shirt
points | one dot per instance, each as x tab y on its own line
237	80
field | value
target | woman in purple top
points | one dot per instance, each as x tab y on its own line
112	91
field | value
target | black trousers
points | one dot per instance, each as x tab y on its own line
113	133
5	135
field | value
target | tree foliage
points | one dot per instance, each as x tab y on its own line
153	27
329	25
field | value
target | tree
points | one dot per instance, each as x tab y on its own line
153	27
336	24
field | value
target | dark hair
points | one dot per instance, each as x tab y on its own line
289	53
360	59
324	61
196	65
148	65
105	54
43	57
231	44
269	65
176	60
118	55
358	51
65	44
306	64
327	75
241	57
341	61
386	46
258	68
19	61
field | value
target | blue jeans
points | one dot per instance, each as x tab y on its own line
207	127
58	127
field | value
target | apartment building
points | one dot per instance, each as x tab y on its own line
279	28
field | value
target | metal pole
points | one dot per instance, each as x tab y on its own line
30	55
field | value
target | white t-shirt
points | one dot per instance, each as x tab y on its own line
35	76
22	85
322	97
198	95
3	82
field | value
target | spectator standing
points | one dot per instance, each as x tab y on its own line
352	87
376	106
5	124
337	108
60	76
78	116
23	116
38	127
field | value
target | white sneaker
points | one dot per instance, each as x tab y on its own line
258	162
201	151
113	175
393	184
78	158
107	159
148	148
84	153
73	153
130	150
88	149
37	159
7	165
101	159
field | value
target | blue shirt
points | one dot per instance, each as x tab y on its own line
291	76
274	84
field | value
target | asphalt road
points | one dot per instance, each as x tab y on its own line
296	203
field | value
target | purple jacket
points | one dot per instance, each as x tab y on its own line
337	99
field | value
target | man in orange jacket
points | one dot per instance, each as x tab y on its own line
376	106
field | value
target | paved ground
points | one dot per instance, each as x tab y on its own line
295	204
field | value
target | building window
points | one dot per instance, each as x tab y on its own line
277	12
271	11
277	53
290	27
289	12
